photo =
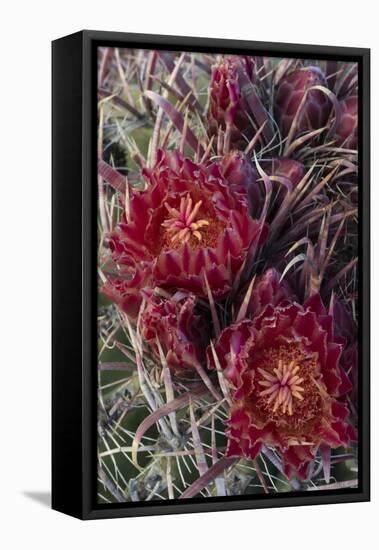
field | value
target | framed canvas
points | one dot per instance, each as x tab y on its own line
210	275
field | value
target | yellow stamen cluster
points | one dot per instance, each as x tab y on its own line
182	223
282	387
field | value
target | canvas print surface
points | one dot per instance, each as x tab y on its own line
227	275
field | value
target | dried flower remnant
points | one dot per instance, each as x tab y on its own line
179	327
124	289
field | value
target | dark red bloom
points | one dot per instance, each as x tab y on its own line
346	135
291	91
187	227
181	330
233	100
288	388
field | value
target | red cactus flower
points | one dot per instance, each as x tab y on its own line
291	90
233	101
178	327
287	384
186	229
346	134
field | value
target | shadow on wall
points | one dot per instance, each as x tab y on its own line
42	497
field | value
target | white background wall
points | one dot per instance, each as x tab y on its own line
27	28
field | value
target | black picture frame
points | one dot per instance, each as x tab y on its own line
74	387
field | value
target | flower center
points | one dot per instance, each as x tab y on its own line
282	387
183	224
288	384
